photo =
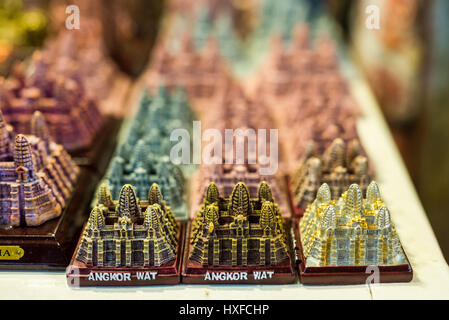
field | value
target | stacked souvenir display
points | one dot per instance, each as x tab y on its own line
235	176
307	82
143	157
282	175
200	72
317	115
239	231
236	110
55	84
86	49
55	88
84	52
65	83
128	240
79	90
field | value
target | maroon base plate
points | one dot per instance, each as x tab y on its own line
338	275
194	273
80	275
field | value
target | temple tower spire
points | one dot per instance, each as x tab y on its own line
240	200
23	158
39	128
128	202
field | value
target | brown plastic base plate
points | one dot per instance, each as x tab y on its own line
80	275
194	273
50	246
341	275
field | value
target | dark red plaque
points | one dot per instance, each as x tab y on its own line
79	274
194	273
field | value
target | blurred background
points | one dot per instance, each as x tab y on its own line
406	62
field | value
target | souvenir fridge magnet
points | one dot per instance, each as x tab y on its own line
343	241
128	242
238	239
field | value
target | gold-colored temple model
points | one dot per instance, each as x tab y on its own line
239	231
129	232
350	231
340	165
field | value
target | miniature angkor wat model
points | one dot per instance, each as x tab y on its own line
86	53
339	166
73	119
37	176
129	232
245	115
200	72
162	172
235	108
226	176
238	239
239	230
226	27
350	231
143	157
